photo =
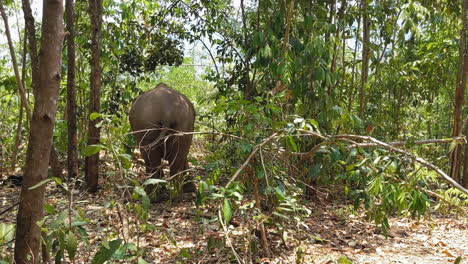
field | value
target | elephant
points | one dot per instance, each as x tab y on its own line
155	117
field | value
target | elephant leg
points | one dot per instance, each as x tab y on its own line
155	192
152	159
178	164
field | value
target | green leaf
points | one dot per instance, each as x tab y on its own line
154	181
267	51
50	209
458	260
7	232
290	142
83	235
94	116
139	191
40	184
227	211
92	149
319	74
184	253
126	160
71	244
78	223
105	253
344	260
142	261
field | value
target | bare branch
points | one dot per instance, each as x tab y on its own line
246	162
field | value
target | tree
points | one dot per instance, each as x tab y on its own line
92	162
72	157
21	90
28	236
459	94
19	80
465	163
365	55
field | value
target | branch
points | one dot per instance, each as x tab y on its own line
416	158
402	143
9	208
246	162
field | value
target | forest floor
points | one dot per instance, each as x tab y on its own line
333	233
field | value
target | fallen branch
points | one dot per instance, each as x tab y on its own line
419	142
9	208
416	158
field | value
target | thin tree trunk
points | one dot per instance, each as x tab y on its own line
279	86
331	15
365	56
31	35
92	163
21	90
28	233
335	41
353	71
250	92
19	126
72	157
343	54
459	94
465	166
14	156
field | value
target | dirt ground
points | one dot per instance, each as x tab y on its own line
332	234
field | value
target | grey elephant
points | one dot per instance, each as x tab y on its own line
162	120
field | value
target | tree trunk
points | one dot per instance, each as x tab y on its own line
336	41
21	90
351	89
459	95
250	91
465	163
28	236
31	35
20	119
72	157
92	163
285	47
331	15
365	56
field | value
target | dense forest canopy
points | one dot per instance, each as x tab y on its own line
363	100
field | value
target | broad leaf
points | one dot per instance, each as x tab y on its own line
92	149
227	211
71	244
105	253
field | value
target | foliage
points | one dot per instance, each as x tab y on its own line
261	91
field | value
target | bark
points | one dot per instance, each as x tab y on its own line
365	56
92	163
54	162
462	74
28	236
72	157
465	166
31	35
